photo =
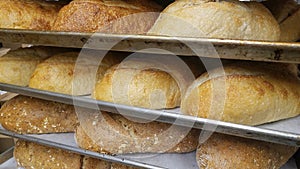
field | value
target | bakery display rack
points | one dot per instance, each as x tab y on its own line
283	132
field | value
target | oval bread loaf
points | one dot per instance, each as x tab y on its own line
107	16
28	115
229	19
17	66
28	14
245	93
68	73
115	134
230	152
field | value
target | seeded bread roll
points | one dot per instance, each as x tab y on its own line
115	134
229	19
32	155
17	66
28	115
229	152
28	14
121	16
248	93
69	74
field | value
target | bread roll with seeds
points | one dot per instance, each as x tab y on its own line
248	93
28	115
118	16
32	155
115	134
230	152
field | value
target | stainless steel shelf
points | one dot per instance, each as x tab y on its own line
273	132
226	49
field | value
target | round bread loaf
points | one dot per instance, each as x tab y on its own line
68	74
217	19
119	16
17	66
28	14
115	134
154	85
245	93
29	115
229	152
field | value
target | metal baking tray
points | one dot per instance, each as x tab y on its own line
66	141
226	49
282	132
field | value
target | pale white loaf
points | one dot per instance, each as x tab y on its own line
223	19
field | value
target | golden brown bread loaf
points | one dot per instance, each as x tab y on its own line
229	152
28	14
287	13
32	155
115	134
229	19
121	16
24	114
65	73
17	66
140	83
252	93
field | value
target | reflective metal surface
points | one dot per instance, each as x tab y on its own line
226	49
273	133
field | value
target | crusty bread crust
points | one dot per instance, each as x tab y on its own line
28	115
114	134
229	152
254	93
228	19
28	14
107	16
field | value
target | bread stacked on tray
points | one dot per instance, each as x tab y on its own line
17	66
228	19
28	115
28	14
121	16
32	155
137	82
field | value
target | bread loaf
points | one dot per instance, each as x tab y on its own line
228	19
115	134
32	155
245	93
66	73
229	152
145	84
28	115
121	16
28	14
17	66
